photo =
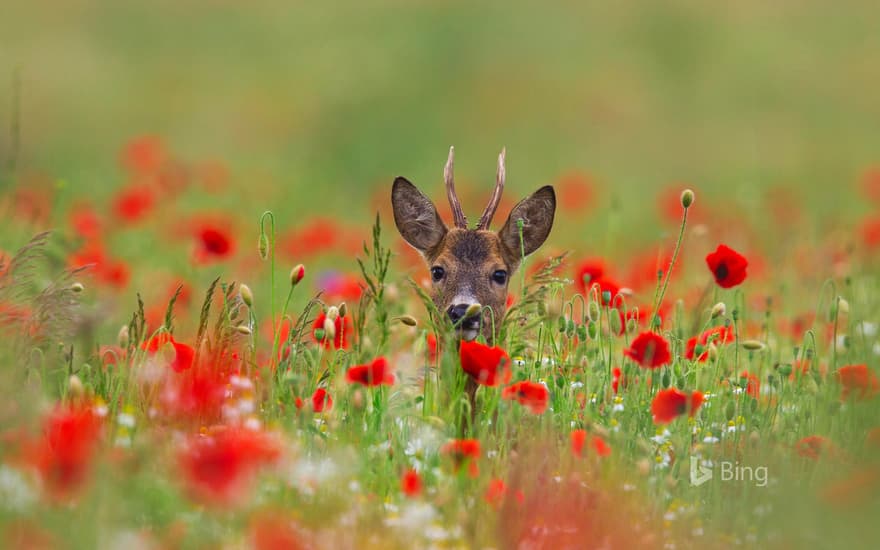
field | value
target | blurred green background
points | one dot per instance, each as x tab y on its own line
314	107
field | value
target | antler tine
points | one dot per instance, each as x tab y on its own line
457	214
486	218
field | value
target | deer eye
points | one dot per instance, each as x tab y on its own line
437	273
500	276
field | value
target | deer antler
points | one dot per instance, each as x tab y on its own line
457	214
486	218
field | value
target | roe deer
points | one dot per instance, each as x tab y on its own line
472	266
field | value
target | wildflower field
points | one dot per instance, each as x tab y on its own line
213	335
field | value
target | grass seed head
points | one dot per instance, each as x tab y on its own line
122	337
718	310
247	295
77	287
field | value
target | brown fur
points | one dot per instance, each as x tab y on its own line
470	257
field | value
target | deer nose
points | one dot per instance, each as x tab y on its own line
456	313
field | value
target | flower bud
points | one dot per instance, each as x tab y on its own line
122	337
473	310
407	320
247	296
332	313
297	274
842	305
719	309
687	198
753	345
77	287
263	246
329	329
343	309
75	386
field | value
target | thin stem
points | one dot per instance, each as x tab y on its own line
659	299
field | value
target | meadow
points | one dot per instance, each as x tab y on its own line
212	334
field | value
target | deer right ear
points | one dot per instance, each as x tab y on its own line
416	217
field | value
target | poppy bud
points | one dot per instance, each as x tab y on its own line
243	329
719	309
593	311
606	297
343	309
75	387
687	198
332	313
785	369
753	345
407	320
329	329
319	334
77	287
297	274
842	305
473	310
263	246
614	318
122	337
247	296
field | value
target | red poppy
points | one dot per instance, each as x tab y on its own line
649	350
217	469
616	376
727	266
531	395
85	221
753	383
113	272
463	451
195	396
575	192
857	380
670	403
276	531
183	354
315	236
431	342
339	287
698	346
411	483
143	154
321	400
579	439
63	456
592	272
213	243
488	366
812	446
375	374
342	338
133	203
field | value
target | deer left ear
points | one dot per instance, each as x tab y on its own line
537	212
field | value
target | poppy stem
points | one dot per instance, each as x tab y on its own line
655	321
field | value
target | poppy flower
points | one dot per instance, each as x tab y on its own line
431	343
143	154
670	403
64	454
133	203
194	396
753	383
858	380
463	451
531	395
85	221
488	366
411	483
698	346
649	350
115	273
342	337
812	446
727	266
374	374
315	236
183	354
217	469
575	192
275	531
213	242
592	272
321	400
496	491
616	376
578	440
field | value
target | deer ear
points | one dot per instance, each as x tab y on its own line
537	212
416	217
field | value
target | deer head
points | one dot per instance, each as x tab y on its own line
472	266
